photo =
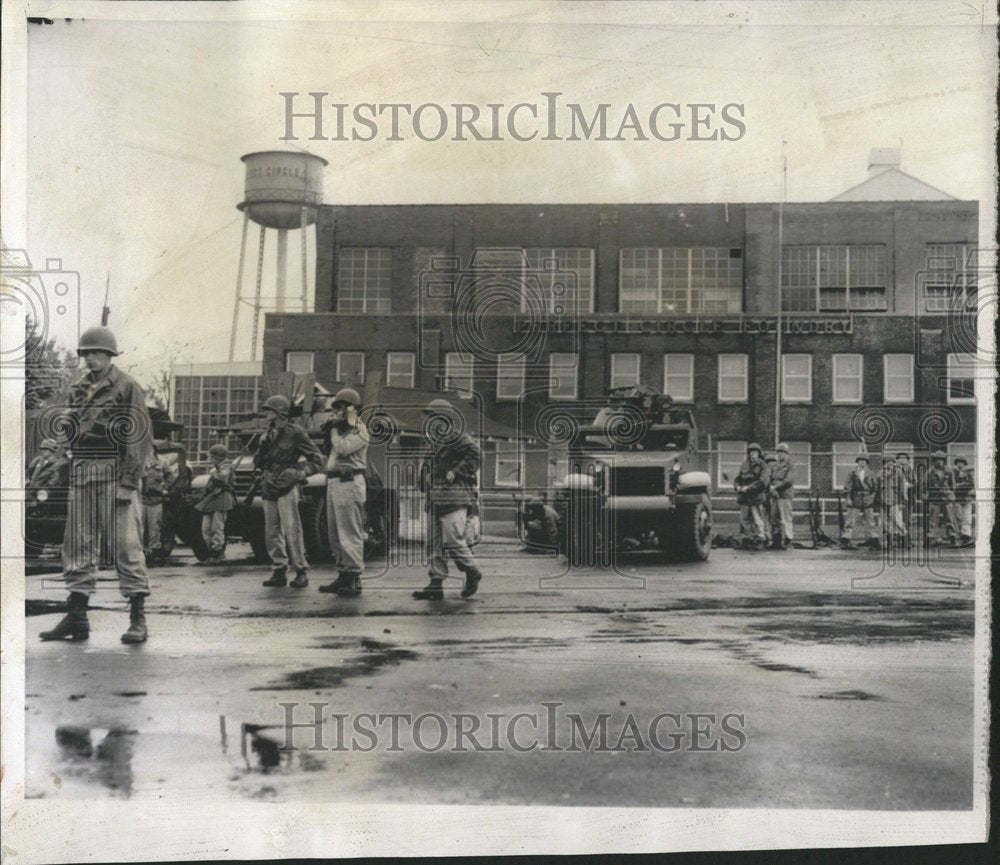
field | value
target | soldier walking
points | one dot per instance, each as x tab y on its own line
346	493
449	480
964	486
215	505
751	493
278	459
110	439
940	501
782	489
861	489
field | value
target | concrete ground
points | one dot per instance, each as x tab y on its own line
804	679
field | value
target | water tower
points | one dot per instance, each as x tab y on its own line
283	190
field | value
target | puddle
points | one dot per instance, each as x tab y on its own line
108	762
495	646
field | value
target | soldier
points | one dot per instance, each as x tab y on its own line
940	499
449	479
152	508
541	527
909	488
45	468
964	485
891	495
346	492
782	493
769	509
751	490
218	501
277	458
861	489
111	440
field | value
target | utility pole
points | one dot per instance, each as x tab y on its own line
781	256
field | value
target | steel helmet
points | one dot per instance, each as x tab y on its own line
782	448
753	446
939	455
860	457
278	404
49	445
961	460
218	451
770	457
439	406
348	395
98	339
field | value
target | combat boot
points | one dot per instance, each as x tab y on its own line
136	632
74	625
278	578
472	578
431	592
301	580
343	583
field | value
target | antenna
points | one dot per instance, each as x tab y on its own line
106	310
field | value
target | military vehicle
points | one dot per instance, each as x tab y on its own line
631	486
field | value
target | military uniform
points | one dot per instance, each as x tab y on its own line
346	496
152	506
783	487
891	498
215	505
751	495
940	503
861	489
541	527
963	485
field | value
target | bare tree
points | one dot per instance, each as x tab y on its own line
158	390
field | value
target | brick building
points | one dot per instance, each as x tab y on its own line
537	309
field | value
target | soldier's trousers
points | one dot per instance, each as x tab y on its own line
446	539
893	522
752	522
938	513
345	522
283	531
96	520
961	518
152	521
863	519
781	517
213	530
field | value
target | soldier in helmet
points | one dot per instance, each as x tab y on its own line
111	440
964	486
278	458
782	490
346	492
940	501
751	490
218	501
862	490
449	479
45	469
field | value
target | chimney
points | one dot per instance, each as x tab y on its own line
881	158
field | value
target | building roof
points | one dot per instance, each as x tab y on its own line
890	183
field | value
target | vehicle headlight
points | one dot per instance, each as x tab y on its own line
42	495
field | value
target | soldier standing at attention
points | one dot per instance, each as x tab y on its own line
783	492
346	493
111	440
277	458
449	479
909	489
940	501
891	496
751	490
152	508
862	487
964	486
218	501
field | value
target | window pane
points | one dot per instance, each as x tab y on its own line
801	455
508	464
562	376
364	279
729	458
678	376
351	368
624	370
639	280
565	278
458	374
510	378
300	362
847	378
732	377
844	454
898	377
797	377
961	378
400	369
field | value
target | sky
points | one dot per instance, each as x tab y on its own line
135	128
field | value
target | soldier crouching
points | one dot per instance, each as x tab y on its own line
110	441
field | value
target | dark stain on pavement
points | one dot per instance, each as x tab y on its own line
853	694
371	656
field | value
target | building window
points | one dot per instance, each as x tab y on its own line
796	378
951	280
564	277
733	370
833	278
963	449
364	279
678	377
400	369
624	370
300	362
206	404
730	456
801	455
351	368
897	370
510	378
683	281
458	369
844	455
961	379
508	464
562	376
847	378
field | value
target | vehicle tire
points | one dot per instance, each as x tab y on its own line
312	512
690	536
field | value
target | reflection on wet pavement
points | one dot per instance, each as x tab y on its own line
110	764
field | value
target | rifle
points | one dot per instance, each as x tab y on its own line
813	518
840	512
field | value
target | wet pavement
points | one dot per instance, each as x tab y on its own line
832	680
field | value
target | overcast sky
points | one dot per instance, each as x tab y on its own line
135	128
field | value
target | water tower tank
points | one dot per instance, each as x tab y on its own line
278	184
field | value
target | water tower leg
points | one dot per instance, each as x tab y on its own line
256	297
239	287
305	239
282	269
